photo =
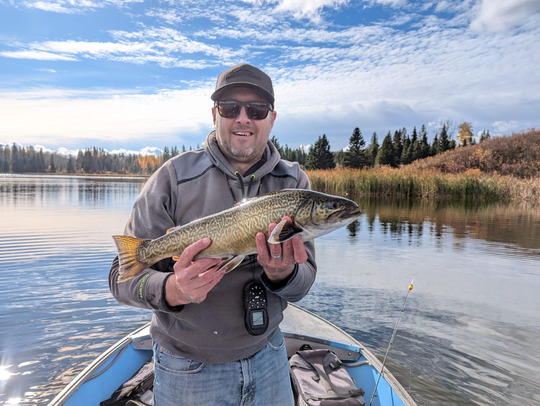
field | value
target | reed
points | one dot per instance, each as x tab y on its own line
426	184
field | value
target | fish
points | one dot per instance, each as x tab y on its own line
232	231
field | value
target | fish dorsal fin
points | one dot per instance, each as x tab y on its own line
241	202
246	200
170	230
284	231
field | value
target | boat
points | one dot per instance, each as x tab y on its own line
301	329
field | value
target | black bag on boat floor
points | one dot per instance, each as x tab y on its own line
137	391
320	379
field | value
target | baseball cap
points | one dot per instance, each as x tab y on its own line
244	75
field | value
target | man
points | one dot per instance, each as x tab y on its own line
208	350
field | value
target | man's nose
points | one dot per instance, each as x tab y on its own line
243	116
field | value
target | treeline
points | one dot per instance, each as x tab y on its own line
399	148
500	169
396	150
17	159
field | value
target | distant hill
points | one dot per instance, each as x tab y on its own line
516	155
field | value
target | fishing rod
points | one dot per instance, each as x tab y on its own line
391	341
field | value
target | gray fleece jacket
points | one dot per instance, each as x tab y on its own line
193	185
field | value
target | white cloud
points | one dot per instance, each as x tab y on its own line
394	3
73	6
423	64
67	152
96	49
42	148
54	117
36	55
310	9
505	127
501	15
164	46
54	6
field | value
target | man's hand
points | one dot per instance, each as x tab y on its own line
278	260
193	279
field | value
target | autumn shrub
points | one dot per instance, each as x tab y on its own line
517	155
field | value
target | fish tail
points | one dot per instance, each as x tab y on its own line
130	266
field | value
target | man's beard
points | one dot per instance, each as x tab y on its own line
241	153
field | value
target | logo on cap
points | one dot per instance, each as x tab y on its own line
242	72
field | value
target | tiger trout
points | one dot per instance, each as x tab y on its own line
233	231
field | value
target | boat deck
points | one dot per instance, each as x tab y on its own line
300	327
297	319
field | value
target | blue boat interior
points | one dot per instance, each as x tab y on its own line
123	362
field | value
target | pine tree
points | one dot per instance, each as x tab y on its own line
386	155
275	141
17	163
70	165
4	160
319	156
435	146
424	144
95	162
407	152
398	146
414	136
373	149
484	135
52	167
339	156
444	139
166	155
356	156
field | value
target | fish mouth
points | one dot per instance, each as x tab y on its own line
344	214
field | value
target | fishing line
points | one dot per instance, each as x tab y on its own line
391	342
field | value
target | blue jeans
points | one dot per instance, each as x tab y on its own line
261	380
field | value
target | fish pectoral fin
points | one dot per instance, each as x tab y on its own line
284	231
232	263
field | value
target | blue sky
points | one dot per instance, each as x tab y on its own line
132	73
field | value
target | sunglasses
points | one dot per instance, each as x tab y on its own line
255	110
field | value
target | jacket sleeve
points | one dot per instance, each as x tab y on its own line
299	283
151	217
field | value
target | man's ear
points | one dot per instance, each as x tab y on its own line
274	115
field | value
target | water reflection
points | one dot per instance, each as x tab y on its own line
471	332
516	224
84	192
55	249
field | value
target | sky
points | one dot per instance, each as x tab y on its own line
132	74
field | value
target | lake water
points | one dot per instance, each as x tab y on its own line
469	335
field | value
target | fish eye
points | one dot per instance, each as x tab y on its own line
333	205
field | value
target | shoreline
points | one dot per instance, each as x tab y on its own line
387	182
76	175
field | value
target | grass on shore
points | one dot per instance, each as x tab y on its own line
500	169
427	183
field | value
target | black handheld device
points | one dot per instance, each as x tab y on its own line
255	302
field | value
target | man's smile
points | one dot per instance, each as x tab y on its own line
243	133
